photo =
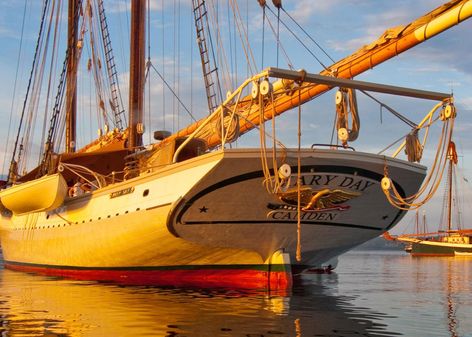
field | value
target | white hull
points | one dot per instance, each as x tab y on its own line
211	211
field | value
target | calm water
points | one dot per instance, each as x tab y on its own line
371	294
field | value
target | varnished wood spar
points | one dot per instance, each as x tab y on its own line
71	91
360	85
389	46
136	72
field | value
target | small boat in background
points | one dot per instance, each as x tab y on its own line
448	242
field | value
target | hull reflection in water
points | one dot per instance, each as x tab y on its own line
35	306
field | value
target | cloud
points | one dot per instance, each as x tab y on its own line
117	6
463	127
4	31
369	30
305	9
449	48
467	102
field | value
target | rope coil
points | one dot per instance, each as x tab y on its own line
413	147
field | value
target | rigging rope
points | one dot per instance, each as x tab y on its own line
243	35
52	134
228	18
191	38
96	67
173	92
395	113
272	180
163	25
278	5
279	44
263	5
50	81
116	101
13	164
173	66
308	35
33	105
221	61
148	8
299	183
13	99
301	42
178	63
434	177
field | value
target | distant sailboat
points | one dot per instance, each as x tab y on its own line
190	210
452	241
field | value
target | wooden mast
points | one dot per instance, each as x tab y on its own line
424	222
449	197
136	73
71	91
452	157
417	224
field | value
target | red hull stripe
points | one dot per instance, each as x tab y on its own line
195	276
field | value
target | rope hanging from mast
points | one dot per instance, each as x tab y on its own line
434	177
277	179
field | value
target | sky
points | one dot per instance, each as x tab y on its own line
441	64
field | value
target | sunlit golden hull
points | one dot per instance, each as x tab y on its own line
209	220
